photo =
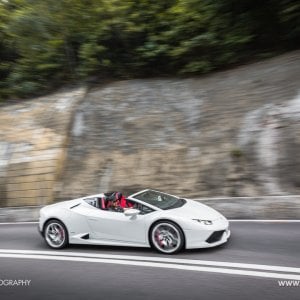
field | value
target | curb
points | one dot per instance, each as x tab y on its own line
256	208
19	214
267	207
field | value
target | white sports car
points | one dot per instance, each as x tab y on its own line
150	219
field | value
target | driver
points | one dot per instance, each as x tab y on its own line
123	201
116	202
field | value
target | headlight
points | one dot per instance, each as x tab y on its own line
204	222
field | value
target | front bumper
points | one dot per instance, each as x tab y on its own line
207	238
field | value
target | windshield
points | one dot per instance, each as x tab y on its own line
160	200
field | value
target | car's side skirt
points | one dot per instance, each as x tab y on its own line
77	240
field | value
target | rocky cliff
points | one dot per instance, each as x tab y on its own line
232	133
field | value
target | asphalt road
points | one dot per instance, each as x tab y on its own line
97	272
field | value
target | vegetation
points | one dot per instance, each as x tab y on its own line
44	44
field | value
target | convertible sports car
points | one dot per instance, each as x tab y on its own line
152	219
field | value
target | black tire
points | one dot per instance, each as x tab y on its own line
166	237
56	234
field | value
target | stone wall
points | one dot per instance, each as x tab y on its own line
33	139
231	133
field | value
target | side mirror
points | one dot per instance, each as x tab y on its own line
131	212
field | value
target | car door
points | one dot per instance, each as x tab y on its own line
115	226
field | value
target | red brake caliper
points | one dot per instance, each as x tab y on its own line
157	233
61	233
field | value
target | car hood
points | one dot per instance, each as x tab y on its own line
196	210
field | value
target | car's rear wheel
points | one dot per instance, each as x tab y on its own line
56	235
166	237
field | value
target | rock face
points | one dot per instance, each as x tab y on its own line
232	133
33	139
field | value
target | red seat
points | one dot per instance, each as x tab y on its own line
103	203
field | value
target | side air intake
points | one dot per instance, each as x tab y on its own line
215	237
85	237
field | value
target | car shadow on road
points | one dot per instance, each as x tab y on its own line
116	250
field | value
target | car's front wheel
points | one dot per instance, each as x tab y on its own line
166	237
56	235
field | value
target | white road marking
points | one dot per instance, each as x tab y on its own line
153	259
230	220
18	223
268	221
157	265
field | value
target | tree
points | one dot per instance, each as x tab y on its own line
47	43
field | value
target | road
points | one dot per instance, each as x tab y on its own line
249	266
